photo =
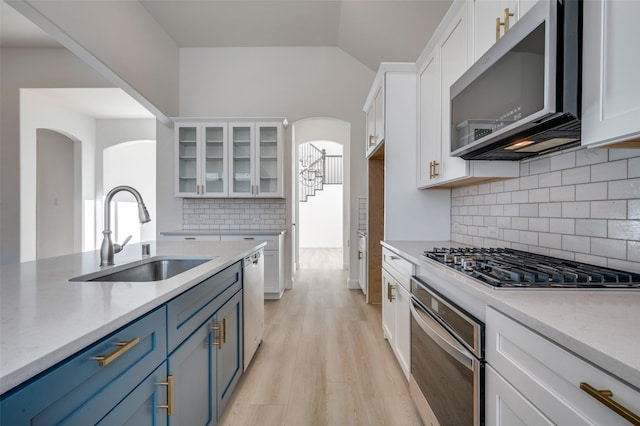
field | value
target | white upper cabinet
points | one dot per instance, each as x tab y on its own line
446	59
492	18
610	88
221	159
375	111
201	158
256	166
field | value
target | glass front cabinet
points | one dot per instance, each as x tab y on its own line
220	159
256	168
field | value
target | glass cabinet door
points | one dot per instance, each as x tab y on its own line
187	159
241	159
214	159
267	153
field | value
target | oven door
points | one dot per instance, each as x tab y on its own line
445	376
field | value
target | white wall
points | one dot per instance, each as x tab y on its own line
292	82
121	41
320	223
39	110
28	68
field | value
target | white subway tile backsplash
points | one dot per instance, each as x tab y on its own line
520	223
529	210
511	185
524	169
503	198
634	167
511	209
528	237
539	166
593	260
234	214
613	170
520	197
624	229
614	209
562	226
550	179
591	227
550	209
562	193
529	182
609	248
540	224
550	240
624	189
617	154
576	244
633	251
585	157
497	187
591	191
576	209
539	195
634	209
576	175
563	161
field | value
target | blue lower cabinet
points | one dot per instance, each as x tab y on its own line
229	363
147	405
85	387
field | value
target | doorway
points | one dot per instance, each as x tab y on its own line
58	186
328	209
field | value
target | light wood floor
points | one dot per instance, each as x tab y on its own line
323	360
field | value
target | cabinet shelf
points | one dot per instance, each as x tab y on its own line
190	142
188	177
215	157
188	157
242	141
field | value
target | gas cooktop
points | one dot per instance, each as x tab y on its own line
510	268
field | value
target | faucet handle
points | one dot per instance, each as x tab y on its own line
117	248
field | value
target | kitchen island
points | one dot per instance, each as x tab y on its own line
46	318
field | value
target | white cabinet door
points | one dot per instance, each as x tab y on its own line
187	155
389	307
242	156
403	329
505	406
269	167
201	158
430	122
610	89
454	52
375	119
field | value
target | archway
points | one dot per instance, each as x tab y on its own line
320	129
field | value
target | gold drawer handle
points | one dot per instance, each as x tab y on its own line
606	398
390	295
169	385
124	347
221	328
371	140
224	331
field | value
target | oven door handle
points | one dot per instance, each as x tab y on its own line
442	337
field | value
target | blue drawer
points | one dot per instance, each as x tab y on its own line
83	388
188	311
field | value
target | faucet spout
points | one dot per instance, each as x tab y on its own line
108	249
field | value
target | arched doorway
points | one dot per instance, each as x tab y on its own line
58	205
320	129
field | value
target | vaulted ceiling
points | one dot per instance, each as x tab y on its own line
372	31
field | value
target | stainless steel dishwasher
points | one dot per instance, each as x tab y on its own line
253	291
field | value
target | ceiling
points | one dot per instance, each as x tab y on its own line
372	31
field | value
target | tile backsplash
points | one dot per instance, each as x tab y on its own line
236	214
580	204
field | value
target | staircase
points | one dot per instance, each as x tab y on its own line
317	169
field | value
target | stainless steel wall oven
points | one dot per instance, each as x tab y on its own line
447	360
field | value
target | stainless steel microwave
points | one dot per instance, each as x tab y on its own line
523	97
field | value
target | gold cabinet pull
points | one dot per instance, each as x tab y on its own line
435	168
371	140
390	295
504	23
606	397
221	328
169	385
123	347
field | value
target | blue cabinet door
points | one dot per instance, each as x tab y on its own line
229	365
191	366
147	405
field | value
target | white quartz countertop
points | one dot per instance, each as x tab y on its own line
601	326
45	318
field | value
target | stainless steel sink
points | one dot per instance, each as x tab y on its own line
152	269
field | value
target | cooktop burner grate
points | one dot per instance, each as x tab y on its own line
510	268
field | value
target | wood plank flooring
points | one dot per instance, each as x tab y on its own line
323	360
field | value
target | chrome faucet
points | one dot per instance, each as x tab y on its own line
108	248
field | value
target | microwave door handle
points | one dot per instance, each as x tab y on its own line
442	337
